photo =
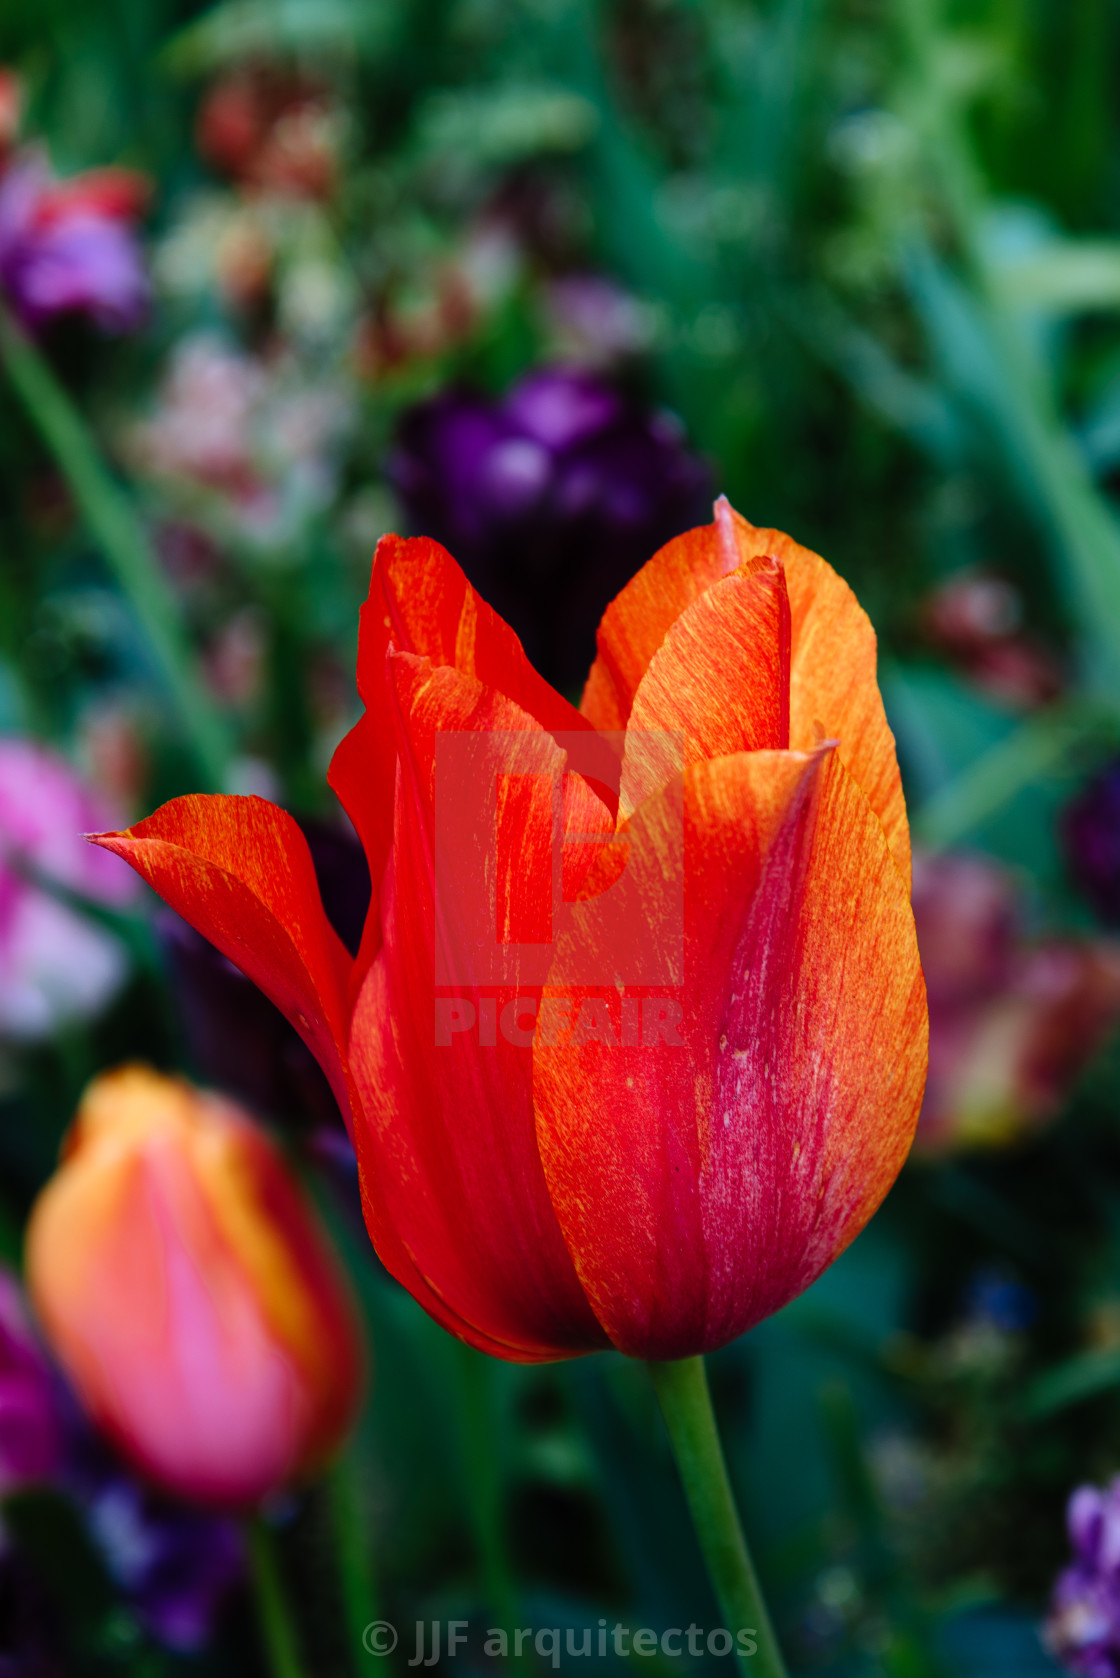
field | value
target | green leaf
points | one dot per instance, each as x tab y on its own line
271	28
1072	1382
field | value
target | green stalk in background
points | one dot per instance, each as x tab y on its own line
353	1552
483	1477
1041	454
686	1404
115	528
277	1629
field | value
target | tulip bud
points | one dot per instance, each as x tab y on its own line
189	1294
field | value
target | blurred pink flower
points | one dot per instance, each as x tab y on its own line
30	1428
594	322
68	247
55	964
201	427
1013	1022
259	435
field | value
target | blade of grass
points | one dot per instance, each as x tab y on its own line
1080	1377
114	526
973	327
994	779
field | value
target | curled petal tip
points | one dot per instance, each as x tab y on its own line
728	541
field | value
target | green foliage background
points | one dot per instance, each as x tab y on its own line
879	242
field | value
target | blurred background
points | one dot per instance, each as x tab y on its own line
538	278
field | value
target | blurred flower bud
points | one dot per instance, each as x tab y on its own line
550	500
113	749
1012	1023
977	620
271	132
11	110
30	1431
1083	1628
55	965
189	1295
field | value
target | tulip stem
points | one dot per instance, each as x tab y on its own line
276	1622
686	1404
117	531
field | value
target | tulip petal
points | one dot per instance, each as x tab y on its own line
766	1137
239	870
639	618
720	678
421	602
451	1175
833	689
362	775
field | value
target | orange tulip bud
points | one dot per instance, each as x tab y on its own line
189	1294
636	1037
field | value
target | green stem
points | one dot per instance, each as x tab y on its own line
482	1467
114	526
682	1392
277	1627
353	1552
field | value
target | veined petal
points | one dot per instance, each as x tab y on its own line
767	1136
421	601
721	678
239	870
451	1175
833	689
834	693
639	618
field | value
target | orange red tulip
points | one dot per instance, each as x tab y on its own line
635	1041
189	1294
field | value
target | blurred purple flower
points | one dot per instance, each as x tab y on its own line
1082	1630
54	963
68	247
1092	842
30	1423
173	1565
550	500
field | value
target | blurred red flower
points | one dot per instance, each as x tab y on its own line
1013	1023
